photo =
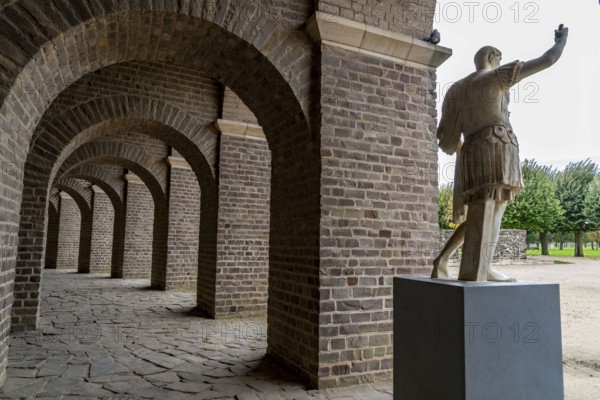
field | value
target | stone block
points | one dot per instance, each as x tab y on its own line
476	340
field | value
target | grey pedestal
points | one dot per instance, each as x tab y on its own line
476	340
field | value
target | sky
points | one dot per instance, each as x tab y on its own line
553	113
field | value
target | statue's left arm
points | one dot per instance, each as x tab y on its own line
549	57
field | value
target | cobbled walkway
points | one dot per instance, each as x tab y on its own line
103	338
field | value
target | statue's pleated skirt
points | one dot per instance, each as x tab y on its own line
490	165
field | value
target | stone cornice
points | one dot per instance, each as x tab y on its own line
178	162
243	129
342	32
131	178
97	189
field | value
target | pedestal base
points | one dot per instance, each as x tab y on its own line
476	340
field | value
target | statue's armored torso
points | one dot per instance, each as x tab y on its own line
485	96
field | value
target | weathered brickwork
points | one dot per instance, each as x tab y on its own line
138	231
243	237
68	235
378	218
102	233
184	227
52	236
411	17
511	246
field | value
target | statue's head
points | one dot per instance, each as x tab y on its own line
487	57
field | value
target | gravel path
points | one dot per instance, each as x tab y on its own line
580	308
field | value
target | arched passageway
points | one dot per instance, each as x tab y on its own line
201	44
344	121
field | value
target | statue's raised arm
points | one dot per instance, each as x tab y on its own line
551	56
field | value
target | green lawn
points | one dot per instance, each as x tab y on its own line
567	252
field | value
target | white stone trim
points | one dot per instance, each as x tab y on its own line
360	37
65	195
97	189
178	162
243	129
132	178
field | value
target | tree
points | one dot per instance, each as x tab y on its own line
572	187
445	207
533	239
592	203
536	209
561	238
594	237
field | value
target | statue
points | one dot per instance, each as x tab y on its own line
488	172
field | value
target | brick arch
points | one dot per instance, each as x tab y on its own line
109	181
83	197
98	122
193	140
126	156
84	192
143	164
145	167
267	66
157	27
56	138
113	186
54	199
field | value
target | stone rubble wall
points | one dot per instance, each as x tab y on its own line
511	245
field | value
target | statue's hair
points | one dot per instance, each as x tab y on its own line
482	55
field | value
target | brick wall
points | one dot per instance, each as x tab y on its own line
184	227
102	233
139	222
243	236
83	195
52	236
411	17
69	233
379	218
234	108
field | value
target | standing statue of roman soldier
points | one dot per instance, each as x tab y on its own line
488	172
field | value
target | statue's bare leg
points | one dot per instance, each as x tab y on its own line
479	228
494	275
440	264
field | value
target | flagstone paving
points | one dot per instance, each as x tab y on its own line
102	338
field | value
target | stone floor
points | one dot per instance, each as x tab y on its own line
102	338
